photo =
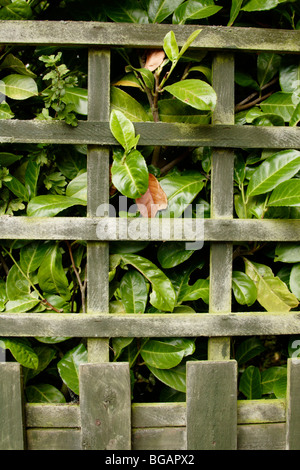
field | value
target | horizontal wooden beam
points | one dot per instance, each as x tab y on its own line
152	133
149	325
91	33
143	229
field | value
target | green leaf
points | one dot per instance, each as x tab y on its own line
172	254
22	351
130	107
133	291
17	286
194	10
171	47
195	93
267	66
244	79
295	280
158	10
185	291
281	103
272	293
163	294
5	111
68	366
181	190
7	159
45	355
130	174
44	393
244	289
51	204
248	349
166	354
273	171
174	110
289	77
16	187
31	178
270	378
25	304
78	97
18	10
260	5
51	275
287	252
234	11
250	383
16	65
125	11
71	163
188	42
174	378
294	121
286	194
77	188
32	255
123	130
18	87
118	344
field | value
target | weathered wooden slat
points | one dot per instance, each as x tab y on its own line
53	439
52	416
152	325
152	133
293	405
97	194
261	411
211	405
105	406
149	415
12	431
163	438
261	436
114	229
146	35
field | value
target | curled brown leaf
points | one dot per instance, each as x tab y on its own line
154	199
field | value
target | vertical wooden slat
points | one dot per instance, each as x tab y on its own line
211	405
12	431
98	194
105	406
293	405
222	202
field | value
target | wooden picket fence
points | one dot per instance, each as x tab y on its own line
211	417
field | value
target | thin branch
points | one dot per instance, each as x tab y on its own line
174	162
253	103
239	106
82	286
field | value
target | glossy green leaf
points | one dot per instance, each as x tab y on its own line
260	5
166	354
16	65
133	291
287	252
130	107
174	378
174	110
267	66
130	175
158	10
125	11
207	72
123	130
244	79
234	11
270	378
250	383
32	255
170	46
22	351
45	355
272	293
18	10
24	304
70	162
295	280
188	42
128	247
186	291
51	204
16	187
78	97
17	285
294	121
194	10
18	87
118	344
273	171
195	93
68	366
280	103
31	178
181	189
163	294
7	159
244	289
172	254
286	194
51	276
44	393
5	111
77	188
248	349
289	77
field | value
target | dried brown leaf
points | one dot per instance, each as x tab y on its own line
154	199
154	59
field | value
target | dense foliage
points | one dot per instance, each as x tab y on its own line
170	85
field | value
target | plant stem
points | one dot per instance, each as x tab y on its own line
82	286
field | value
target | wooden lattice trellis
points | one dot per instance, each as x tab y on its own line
211	418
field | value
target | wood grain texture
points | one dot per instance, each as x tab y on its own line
105	406
53	439
79	33
261	437
293	405
211	405
12	431
52	415
152	133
